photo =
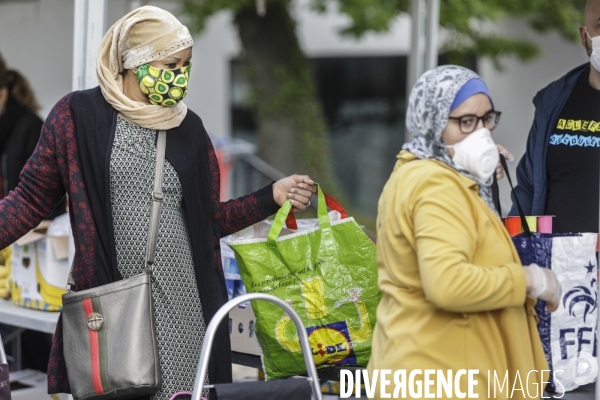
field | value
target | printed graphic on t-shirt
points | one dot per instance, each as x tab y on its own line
577	125
581	140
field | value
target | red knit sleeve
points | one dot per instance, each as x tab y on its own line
40	186
234	215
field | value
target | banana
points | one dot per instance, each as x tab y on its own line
5	262
4	271
51	294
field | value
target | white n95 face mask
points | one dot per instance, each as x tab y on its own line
595	56
477	153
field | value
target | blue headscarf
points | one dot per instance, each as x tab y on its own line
474	86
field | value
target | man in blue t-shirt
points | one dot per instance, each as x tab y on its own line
559	173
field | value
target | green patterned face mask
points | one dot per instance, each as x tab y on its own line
164	87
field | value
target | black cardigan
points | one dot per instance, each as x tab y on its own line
73	155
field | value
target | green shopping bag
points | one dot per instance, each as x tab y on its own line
328	273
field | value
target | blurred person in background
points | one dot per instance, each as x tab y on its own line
99	146
455	295
20	128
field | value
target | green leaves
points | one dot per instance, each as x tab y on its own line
466	22
198	12
463	46
370	15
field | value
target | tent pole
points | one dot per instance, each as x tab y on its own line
88	29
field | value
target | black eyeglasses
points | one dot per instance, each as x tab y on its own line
468	123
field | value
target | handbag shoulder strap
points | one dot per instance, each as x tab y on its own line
157	199
524	223
496	195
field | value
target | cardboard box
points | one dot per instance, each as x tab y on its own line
241	329
40	268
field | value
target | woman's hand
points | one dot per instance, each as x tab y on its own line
298	188
508	156
542	284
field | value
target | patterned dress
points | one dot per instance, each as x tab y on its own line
178	316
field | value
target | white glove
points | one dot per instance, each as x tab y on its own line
542	284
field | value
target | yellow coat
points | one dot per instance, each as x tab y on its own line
452	282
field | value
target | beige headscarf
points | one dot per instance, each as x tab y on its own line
144	35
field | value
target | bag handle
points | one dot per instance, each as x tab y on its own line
157	199
332	203
286	209
524	224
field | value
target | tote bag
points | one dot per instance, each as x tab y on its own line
328	273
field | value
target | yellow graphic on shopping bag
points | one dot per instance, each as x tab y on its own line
330	343
314	300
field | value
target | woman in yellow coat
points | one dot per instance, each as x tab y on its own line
455	295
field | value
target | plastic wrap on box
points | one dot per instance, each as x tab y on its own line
230	267
233	280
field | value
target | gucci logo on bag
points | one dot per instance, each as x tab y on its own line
95	321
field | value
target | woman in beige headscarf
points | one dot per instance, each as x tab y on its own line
98	146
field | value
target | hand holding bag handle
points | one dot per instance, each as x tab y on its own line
332	203
324	223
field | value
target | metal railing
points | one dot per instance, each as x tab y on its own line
251	173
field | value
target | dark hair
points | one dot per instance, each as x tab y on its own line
18	87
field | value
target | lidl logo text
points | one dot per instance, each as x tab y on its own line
322	350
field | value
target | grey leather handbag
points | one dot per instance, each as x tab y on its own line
108	331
